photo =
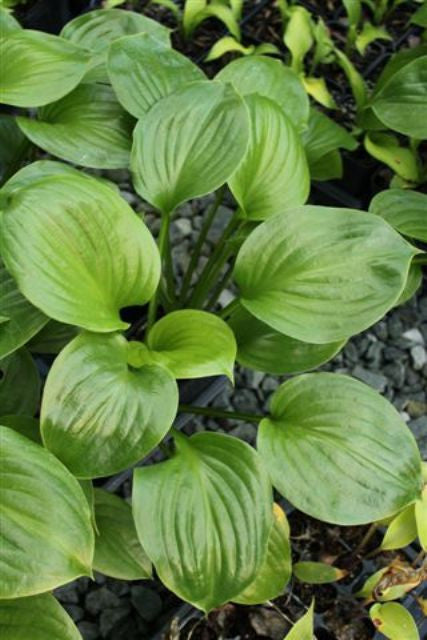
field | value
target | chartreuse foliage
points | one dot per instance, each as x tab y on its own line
110	92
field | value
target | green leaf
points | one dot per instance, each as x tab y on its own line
318	89
42	614
38	68
358	273
413	283
52	338
22	320
386	148
222	13
228	44
13	146
143	70
100	416
369	585
7	22
401	531
401	103
328	167
304	628
87	127
227	498
169	4
394	621
271	79
317	572
359	460
369	34
275	572
354	11
117	263
118	552
273	175
46	536
262	348
354	78
420	16
189	144
191	344
405	210
298	36
190	19
25	425
19	384
421	518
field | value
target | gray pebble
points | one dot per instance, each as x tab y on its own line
395	371
110	617
101	599
245	400
179	229
419	356
67	594
414	336
375	380
88	630
419	429
245	431
147	602
75	612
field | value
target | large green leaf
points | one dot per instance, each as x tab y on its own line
13	146
22	319
87	127
143	70
320	274
275	572
210	545
394	621
25	425
52	338
262	348
191	344
189	144
273	175
7	22
19	383
118	552
88	254
41	616
272	79
413	283
98	414
46	537
38	68
401	103
405	210
339	451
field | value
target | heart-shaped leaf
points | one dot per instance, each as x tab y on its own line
405	210
46	537
38	68
143	70
262	348
394	621
272	79
359	460
42	614
19	384
21	320
275	572
273	175
98	415
210	546
118	552
87	127
191	344
189	144
88	254
320	274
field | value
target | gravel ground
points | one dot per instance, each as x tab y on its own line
391	357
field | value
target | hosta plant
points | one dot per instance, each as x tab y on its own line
111	93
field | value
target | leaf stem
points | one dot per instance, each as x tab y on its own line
162	242
220	286
229	309
195	256
219	413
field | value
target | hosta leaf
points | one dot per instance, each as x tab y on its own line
19	384
116	264
421	518
191	344
7	22
323	135
304	628
321	274
369	34
271	79
38	68
401	103
275	572
87	127
227	498
401	531
298	36
328	167
143	70
118	552
359	460
394	621
52	338
98	415
190	16
420	16
413	283
273	175
387	148
318	89
25	425
189	144
226	45
22	320
42	614
46	536
262	348
405	210
317	572
13	146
